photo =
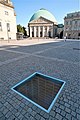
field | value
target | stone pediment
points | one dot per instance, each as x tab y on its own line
41	20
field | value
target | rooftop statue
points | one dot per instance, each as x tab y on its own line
7	3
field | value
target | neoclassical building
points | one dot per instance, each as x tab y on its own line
8	27
42	25
72	25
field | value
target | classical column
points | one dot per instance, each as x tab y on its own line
39	31
34	31
47	31
43	31
30	31
52	32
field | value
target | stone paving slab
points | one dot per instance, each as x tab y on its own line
67	54
4	55
14	107
4	46
36	48
73	44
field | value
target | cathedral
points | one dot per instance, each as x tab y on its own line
42	25
8	27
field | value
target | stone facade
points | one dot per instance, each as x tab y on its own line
8	27
42	28
72	25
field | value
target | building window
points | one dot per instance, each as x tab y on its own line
77	14
79	34
0	26
72	15
70	22
6	13
8	27
66	22
75	22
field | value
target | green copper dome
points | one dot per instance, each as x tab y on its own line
45	14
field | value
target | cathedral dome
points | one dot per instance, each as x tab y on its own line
45	14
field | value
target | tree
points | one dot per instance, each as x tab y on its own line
21	29
24	31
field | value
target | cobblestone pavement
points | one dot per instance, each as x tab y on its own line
58	60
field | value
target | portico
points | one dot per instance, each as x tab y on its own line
41	31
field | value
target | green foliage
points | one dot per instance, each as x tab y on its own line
24	31
21	29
